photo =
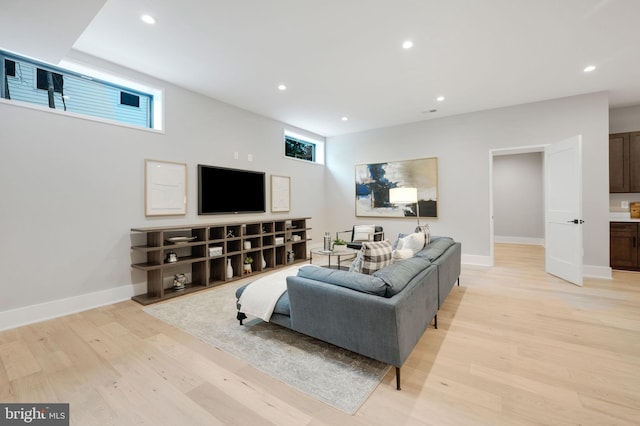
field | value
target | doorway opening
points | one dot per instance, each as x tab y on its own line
562	206
517	204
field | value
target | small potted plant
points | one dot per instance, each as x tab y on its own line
339	244
247	264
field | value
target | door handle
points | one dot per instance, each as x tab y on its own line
577	221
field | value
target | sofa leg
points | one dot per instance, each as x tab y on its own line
241	317
435	321
458	281
398	378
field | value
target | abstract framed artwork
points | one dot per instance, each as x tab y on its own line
165	188
373	182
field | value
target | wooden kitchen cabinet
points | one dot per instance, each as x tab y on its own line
623	252
624	162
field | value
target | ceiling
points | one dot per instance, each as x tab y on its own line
344	58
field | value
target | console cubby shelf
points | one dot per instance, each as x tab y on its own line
203	251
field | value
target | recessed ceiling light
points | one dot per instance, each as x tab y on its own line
590	68
148	19
282	87
440	98
407	44
345	118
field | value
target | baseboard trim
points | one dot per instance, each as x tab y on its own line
71	305
476	260
518	240
601	272
588	271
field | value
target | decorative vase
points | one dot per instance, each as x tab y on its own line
247	268
171	257
229	269
263	262
327	241
179	282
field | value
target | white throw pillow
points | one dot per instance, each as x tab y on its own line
401	254
413	242
356	265
426	231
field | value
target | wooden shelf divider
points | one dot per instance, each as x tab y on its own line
204	269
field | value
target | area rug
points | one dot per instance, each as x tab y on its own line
330	374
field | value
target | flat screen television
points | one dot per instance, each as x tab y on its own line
230	191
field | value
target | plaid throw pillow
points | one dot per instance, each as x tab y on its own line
375	255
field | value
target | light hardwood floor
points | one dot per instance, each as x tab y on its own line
514	347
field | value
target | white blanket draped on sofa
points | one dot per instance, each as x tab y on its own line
260	297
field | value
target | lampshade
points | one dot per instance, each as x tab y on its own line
403	195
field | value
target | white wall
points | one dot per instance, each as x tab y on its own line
462	144
623	120
72	189
518	198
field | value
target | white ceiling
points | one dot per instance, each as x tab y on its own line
344	57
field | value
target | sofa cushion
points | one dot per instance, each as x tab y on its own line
353	280
282	305
399	274
435	249
375	255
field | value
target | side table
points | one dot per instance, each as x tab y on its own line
339	255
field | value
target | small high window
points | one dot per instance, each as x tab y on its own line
303	148
45	78
30	81
300	149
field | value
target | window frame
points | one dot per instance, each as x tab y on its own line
318	147
152	122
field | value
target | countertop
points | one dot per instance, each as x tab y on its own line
621	217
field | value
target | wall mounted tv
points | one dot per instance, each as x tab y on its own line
230	191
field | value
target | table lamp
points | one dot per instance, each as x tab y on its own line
405	196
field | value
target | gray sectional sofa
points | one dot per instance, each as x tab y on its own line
381	316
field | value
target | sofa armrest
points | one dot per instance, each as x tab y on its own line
385	329
449	266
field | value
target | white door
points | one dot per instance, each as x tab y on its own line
563	210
